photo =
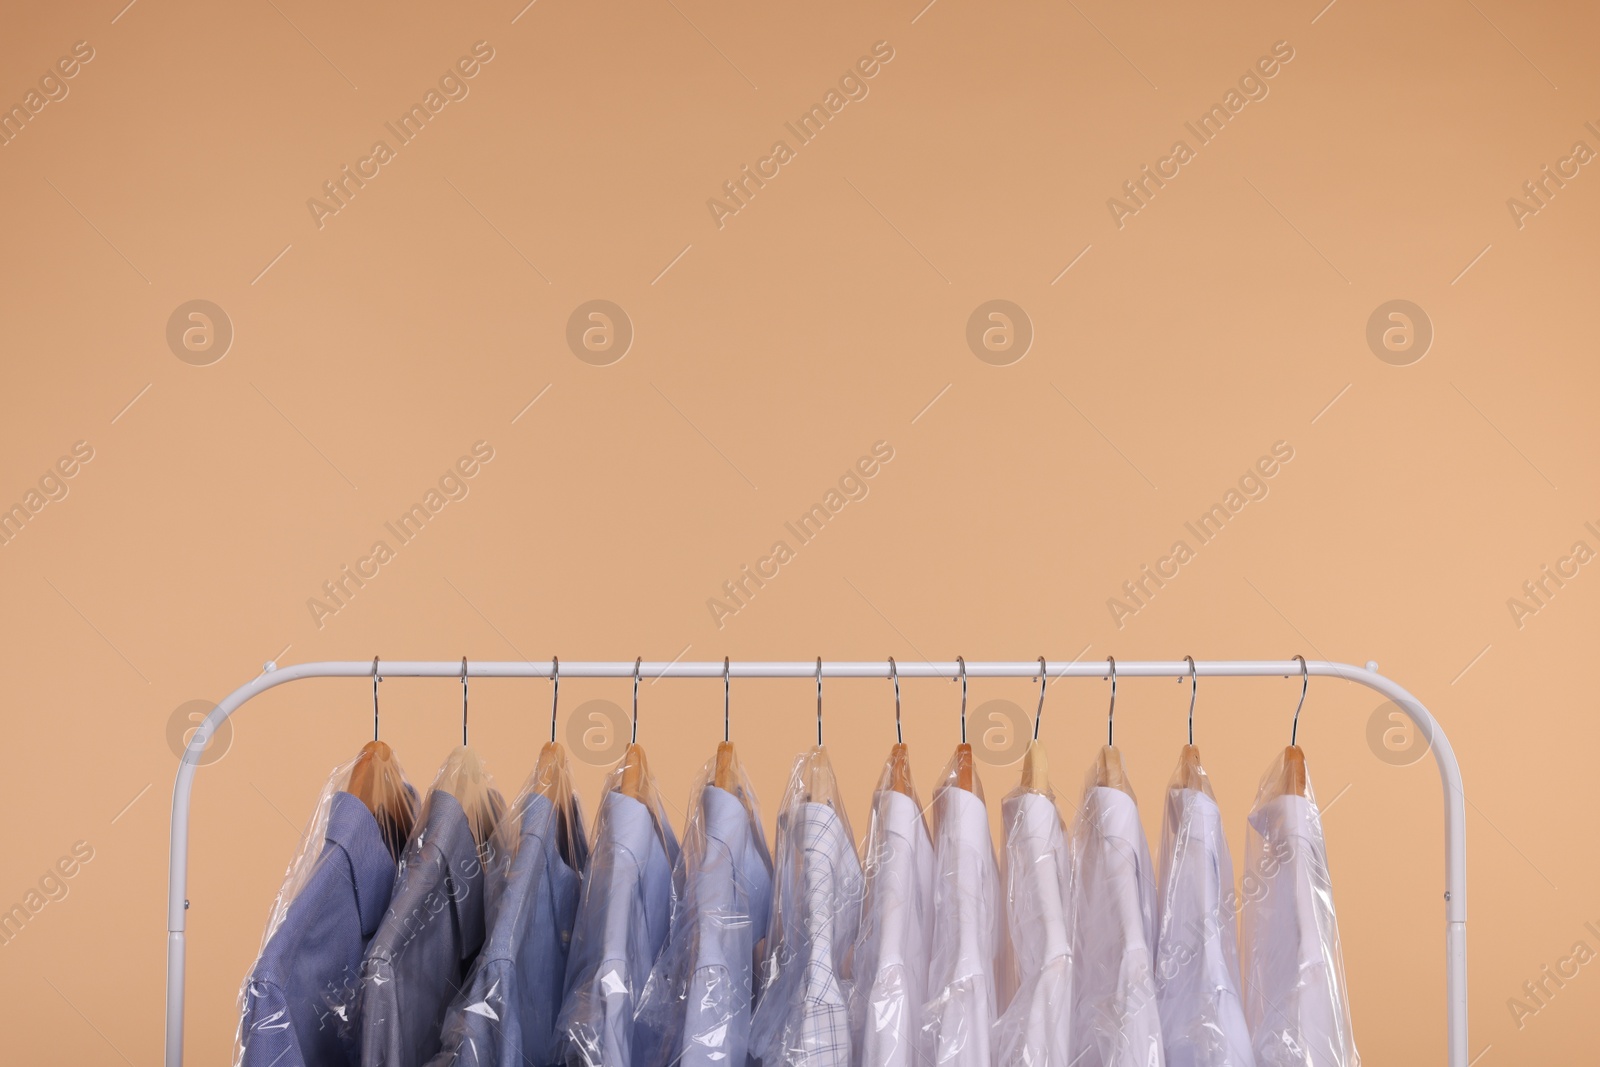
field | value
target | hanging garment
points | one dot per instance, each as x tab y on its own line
298	1005
1197	949
888	1002
1036	1029
802	1014
1115	1020
966	926
506	1013
1295	996
622	922
695	1010
419	959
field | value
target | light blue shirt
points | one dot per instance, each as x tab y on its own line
696	1008
506	1015
621	926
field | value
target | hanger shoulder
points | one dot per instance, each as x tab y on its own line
963	767
1190	774
1109	771
900	769
1035	769
725	774
1294	771
635	773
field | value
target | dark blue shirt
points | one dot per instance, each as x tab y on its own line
419	958
299	1002
507	1015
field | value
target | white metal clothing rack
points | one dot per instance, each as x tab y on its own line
1455	863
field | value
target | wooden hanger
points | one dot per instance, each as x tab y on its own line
899	754
552	781
963	765
551	775
1294	760
817	788
1294	771
1108	769
1190	774
962	760
635	768
466	778
900	769
1035	769
377	781
1035	764
725	773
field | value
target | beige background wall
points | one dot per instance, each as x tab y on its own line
830	312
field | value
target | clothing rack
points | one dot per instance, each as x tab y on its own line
1455	818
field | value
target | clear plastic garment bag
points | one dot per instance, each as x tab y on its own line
966	914
888	1005
436	923
298	1007
802	1013
622	918
1036	1029
505	1014
1115	1018
695	1008
1197	948
1295	996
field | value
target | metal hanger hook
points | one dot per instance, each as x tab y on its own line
463	702
633	739
555	694
819	701
1305	683
1111	712
894	676
1038	713
1194	691
376	678
961	673
727	686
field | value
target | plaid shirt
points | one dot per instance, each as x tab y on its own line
803	1020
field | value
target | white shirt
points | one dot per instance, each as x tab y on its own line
1036	1029
1197	950
1296	1001
966	932
888	1006
1115	1020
